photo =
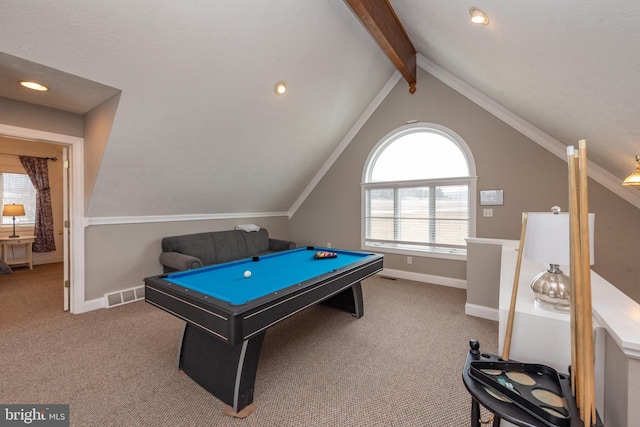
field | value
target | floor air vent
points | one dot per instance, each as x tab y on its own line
124	297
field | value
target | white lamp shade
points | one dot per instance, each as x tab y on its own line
547	238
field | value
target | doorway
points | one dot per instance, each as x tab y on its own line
74	204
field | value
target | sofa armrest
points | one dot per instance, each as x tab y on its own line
175	261
277	245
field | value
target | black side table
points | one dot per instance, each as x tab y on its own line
505	409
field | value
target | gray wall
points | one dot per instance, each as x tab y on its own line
621	386
532	178
31	116
121	256
97	128
483	274
94	127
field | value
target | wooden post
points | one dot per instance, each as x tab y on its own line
514	293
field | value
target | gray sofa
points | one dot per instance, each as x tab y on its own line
191	251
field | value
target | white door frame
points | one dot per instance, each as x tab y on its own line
66	247
76	203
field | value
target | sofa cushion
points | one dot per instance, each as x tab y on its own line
256	242
228	246
199	245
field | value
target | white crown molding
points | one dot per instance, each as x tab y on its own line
597	173
345	141
114	220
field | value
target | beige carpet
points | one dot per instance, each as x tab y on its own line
399	365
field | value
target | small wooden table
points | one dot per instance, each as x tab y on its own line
10	243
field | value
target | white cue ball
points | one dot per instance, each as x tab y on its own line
247	274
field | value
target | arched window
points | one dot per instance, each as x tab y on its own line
419	193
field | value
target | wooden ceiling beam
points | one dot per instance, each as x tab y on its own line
382	22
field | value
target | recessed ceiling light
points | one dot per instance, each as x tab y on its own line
478	16
34	86
280	88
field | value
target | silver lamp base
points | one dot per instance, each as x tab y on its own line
552	289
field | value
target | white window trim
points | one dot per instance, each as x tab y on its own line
471	180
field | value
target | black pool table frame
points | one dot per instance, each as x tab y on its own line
221	342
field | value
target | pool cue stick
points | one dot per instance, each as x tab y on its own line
514	293
578	273
577	371
573	244
590	410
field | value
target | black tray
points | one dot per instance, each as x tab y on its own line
533	387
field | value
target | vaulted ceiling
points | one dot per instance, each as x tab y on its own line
199	127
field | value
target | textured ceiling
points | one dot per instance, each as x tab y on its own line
199	127
66	91
567	67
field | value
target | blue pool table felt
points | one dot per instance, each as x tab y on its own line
272	273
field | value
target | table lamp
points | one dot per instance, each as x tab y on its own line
14	211
547	241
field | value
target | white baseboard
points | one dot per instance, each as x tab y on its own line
481	311
426	278
40	260
93	304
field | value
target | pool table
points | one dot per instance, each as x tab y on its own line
227	314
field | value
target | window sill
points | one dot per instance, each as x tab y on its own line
459	255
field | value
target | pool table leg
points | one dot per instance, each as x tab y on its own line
349	299
226	371
184	329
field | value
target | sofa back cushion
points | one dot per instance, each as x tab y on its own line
217	247
228	246
256	242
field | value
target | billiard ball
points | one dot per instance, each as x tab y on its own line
247	274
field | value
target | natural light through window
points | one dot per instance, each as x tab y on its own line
17	188
417	193
419	155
